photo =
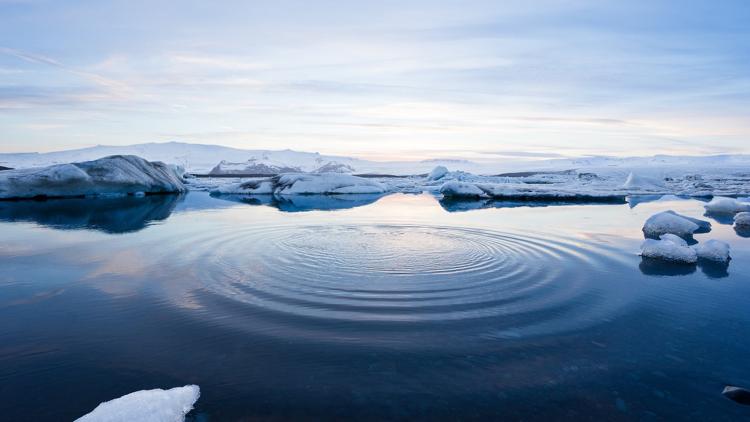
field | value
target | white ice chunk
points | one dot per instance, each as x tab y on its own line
742	219
669	222
461	189
703	225
147	406
668	250
114	175
437	173
637	182
721	205
714	250
674	239
305	184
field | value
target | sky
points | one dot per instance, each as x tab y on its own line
379	79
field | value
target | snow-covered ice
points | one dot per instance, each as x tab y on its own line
674	239
669	248
637	182
720	205
462	190
713	250
437	173
589	178
305	184
115	175
703	225
742	219
670	222
147	406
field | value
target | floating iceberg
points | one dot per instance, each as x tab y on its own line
713	250
669	248
147	406
669	222
703	225
742	219
637	182
526	191
305	184
721	205
114	175
462	190
437	173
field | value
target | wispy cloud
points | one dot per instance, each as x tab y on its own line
114	87
513	78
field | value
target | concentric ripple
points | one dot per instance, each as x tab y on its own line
401	274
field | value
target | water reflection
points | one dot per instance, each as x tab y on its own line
109	215
393	311
721	218
661	268
713	269
742	231
301	203
462	205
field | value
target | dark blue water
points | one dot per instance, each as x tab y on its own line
366	307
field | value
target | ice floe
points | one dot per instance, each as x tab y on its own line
305	184
437	173
462	190
637	182
669	248
742	219
147	406
114	175
669	222
713	250
721	205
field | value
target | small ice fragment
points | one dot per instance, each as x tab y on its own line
669	222
461	189
147	406
742	219
713	250
437	173
721	205
668	250
737	394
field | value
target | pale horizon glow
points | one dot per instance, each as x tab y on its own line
379	80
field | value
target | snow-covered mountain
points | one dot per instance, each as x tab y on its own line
198	158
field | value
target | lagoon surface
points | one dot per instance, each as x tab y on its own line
366	307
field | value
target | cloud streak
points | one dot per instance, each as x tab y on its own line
548	79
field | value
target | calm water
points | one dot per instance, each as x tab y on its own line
367	307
